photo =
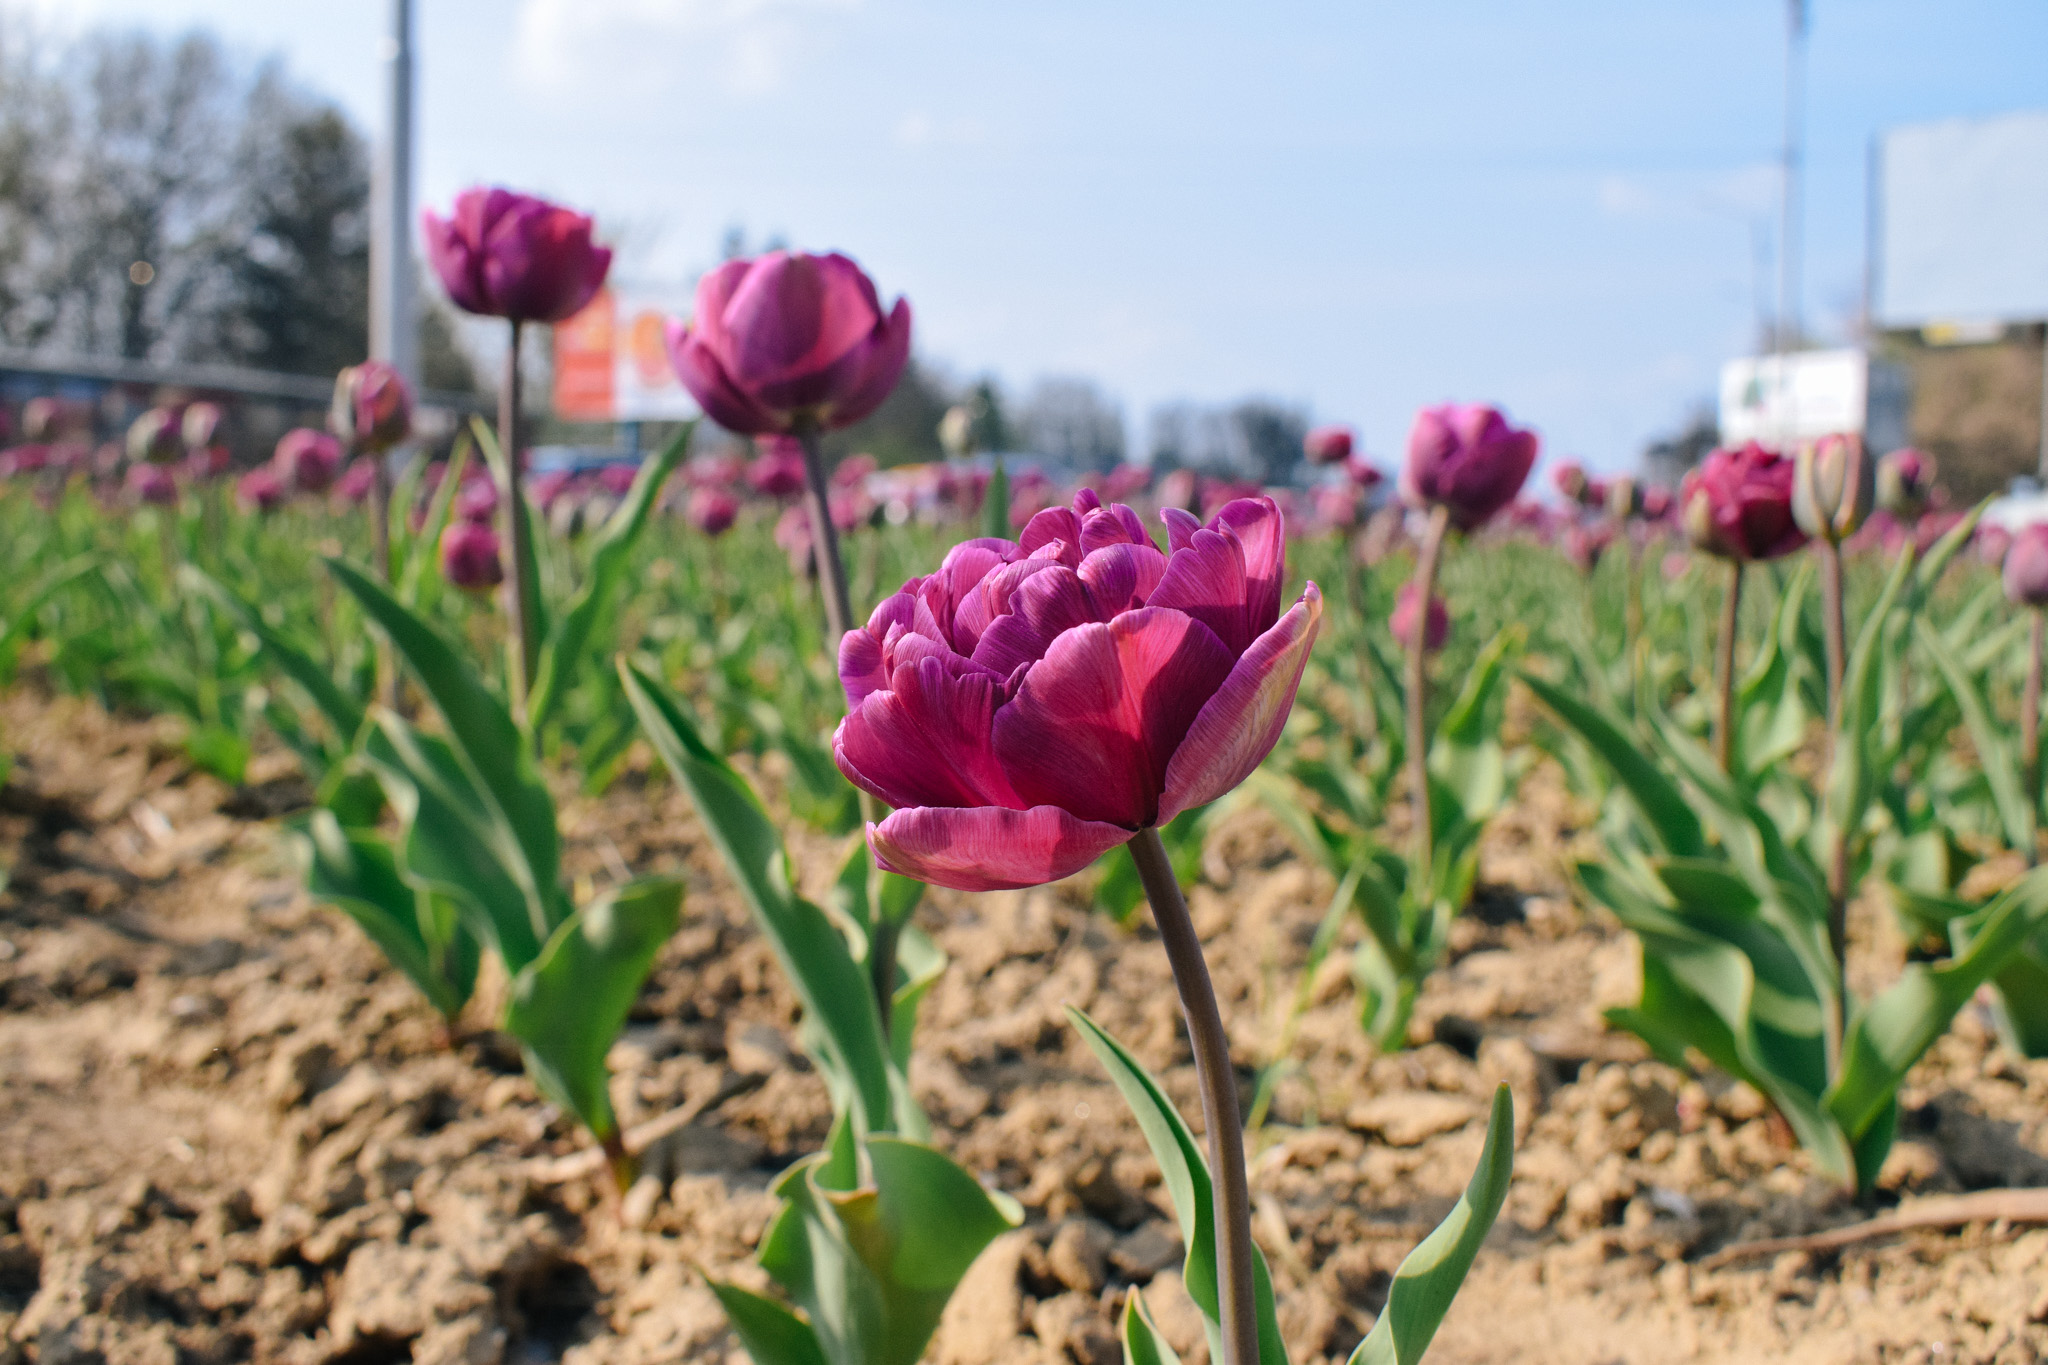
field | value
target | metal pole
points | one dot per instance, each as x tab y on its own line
394	329
2041	466
1790	325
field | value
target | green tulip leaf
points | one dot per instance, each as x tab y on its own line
1661	802
357	872
1142	1343
1432	1274
771	1333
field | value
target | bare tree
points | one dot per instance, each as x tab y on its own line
1073	421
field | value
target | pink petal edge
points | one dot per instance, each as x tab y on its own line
989	848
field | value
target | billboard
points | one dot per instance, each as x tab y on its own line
1961	222
1780	401
611	362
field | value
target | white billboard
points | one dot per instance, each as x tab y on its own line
1962	222
611	361
1779	401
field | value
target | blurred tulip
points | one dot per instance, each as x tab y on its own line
153	484
790	340
778	471
1364	472
722	470
545	488
477	499
1337	505
793	538
354	484
1656	502
1125	481
372	410
1623	498
1569	478
956	431
1401	624
2026	567
46	419
1584	544
1992	543
617	479
1033	704
200	424
1466	459
1833	485
24	459
1905	482
307	460
507	255
1738	505
469	556
260	490
713	511
853	471
1327	445
208	462
153	438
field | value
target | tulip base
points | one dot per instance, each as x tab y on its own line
1218	1083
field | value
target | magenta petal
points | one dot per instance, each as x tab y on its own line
887	354
988	848
1242	722
1181	526
1095	722
861	669
1042	606
925	741
1120	577
706	380
1207	581
1054	523
1262	530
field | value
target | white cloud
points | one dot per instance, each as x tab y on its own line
920	129
747	46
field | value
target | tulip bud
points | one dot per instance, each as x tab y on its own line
712	511
153	437
372	410
152	484
1833	486
43	419
956	431
354	484
1738	505
1569	479
1624	499
1436	629
469	556
307	460
1363	472
260	490
1583	545
208	462
1656	502
508	255
1468	460
1327	445
477	499
201	422
2026	567
778	472
1905	482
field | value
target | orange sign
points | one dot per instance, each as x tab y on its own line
611	363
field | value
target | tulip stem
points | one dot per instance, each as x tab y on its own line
2030	729
380	559
1834	627
1724	669
525	654
1418	690
1217	1081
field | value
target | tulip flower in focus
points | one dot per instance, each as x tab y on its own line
469	556
154	438
790	341
1327	445
152	484
502	254
2025	572
260	490
1401	624
372	410
1467	459
307	460
1034	703
1833	486
1905	482
1738	505
713	511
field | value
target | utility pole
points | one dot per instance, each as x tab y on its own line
394	328
1790	323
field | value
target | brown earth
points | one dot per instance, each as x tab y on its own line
228	1132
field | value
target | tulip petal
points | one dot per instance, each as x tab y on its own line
1120	577
1095	722
1207	581
1241	722
1181	526
925	741
988	848
1054	523
1262	529
882	366
1042	607
706	380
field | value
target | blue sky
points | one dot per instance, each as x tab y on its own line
1359	207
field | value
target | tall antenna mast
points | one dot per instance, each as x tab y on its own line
394	330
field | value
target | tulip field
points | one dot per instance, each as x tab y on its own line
747	906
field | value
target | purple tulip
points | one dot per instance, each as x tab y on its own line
617	479
477	499
208	462
153	438
1467	459
1833	486
1584	544
714	471
33	458
508	255
1738	505
354	484
1569	478
469	556
1363	472
790	340
1327	445
260	490
153	484
2026	566
713	511
778	471
1034	703
372	410
1905	482
1436	627
545	488
307	460
49	419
